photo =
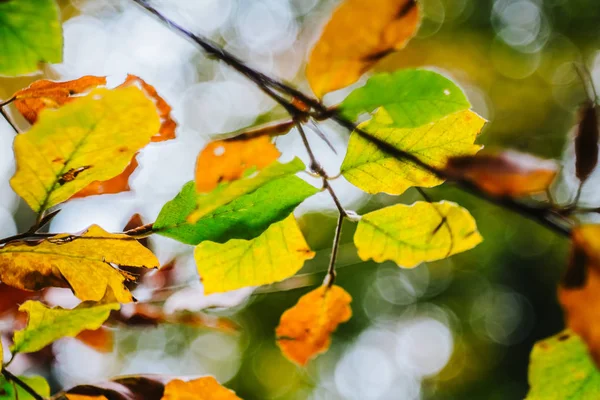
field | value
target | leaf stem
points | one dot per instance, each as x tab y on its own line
331	273
12	378
7	118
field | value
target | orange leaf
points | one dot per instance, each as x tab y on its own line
84	397
48	94
226	160
101	339
206	388
508	173
118	184
360	33
305	329
579	292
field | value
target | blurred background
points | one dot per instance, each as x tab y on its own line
460	328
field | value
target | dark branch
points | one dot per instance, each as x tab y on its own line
12	378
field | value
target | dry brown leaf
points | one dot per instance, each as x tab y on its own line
579	292
206	388
227	160
508	173
305	329
359	34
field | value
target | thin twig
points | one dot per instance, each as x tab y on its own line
331	274
12	378
7	118
141	231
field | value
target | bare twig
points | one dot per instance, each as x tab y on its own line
331	274
7	118
12	378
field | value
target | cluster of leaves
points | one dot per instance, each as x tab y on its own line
418	131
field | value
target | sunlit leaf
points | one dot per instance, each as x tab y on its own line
278	253
579	292
410	235
49	94
411	97
84	263
37	383
46	325
305	330
205	388
508	173
561	368
586	141
359	34
31	34
227	160
374	171
119	388
242	209
91	139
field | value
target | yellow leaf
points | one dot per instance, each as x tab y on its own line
410	235
305	329
205	388
359	34
226	160
85	263
278	253
375	171
91	139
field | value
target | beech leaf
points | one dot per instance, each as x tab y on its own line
305	330
359	33
410	235
278	253
374	171
31	34
46	325
91	139
85	263
205	388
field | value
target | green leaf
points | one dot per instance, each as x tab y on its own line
278	253
374	170
241	209
45	325
561	369
30	33
410	235
37	383
412	97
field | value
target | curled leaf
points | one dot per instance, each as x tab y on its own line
305	330
508	173
360	33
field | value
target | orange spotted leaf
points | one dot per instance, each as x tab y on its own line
226	160
305	329
205	388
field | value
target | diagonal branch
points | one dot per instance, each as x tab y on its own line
12	378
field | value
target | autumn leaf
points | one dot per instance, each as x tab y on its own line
410	235
49	94
241	209
227	160
85	263
411	97
37	383
46	325
579	292
119	388
31	34
305	330
507	173
561	368
205	388
374	171
84	397
586	141
359	34
278	253
91	139
101	339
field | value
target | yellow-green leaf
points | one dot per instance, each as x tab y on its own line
45	325
37	383
278	253
374	171
410	235
85	263
91	139
31	34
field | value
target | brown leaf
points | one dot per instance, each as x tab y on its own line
359	34
227	160
586	141
305	329
508	173
123	388
206	388
48	94
579	292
